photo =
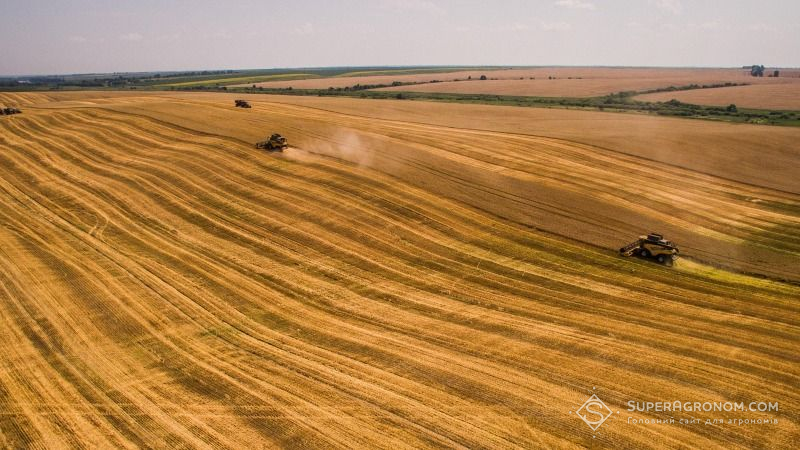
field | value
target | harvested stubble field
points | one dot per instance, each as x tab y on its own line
568	82
408	275
761	96
586	87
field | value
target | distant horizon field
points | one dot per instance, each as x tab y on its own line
378	69
594	82
224	81
542	81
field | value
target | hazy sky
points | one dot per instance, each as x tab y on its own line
38	37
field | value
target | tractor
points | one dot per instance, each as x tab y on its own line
652	245
242	104
275	143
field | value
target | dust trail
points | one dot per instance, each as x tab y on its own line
344	144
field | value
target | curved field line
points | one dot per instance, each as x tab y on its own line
161	285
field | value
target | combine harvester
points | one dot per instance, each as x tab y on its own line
652	246
9	111
275	143
242	104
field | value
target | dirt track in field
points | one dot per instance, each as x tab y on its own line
762	96
388	282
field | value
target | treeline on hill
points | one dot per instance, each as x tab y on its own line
759	70
56	83
114	81
194	74
30	82
690	87
215	78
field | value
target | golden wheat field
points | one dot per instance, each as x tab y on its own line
765	96
566	82
595	85
405	275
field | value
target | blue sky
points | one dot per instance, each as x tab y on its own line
78	36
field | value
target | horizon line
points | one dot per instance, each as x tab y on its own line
444	66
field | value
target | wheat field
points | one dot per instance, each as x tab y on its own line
542	81
767	96
397	279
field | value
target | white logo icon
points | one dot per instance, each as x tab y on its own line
594	412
